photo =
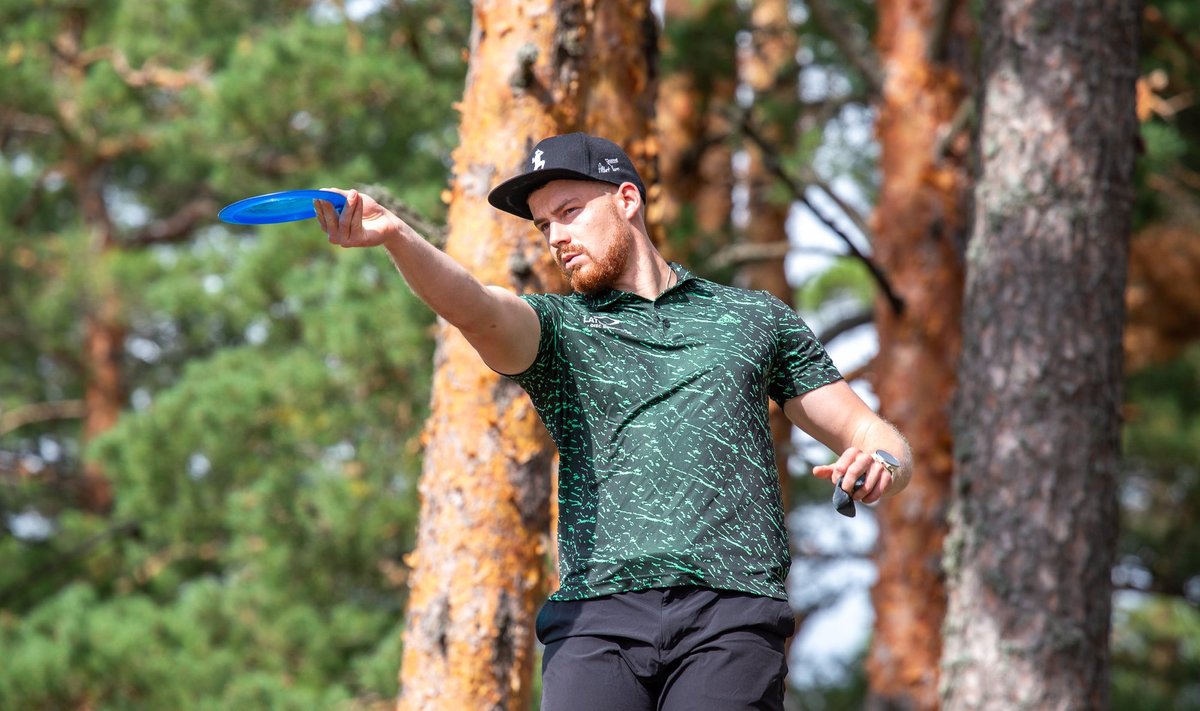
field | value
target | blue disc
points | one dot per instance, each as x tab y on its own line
287	206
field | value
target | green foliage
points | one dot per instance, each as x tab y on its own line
701	42
1169	170
215	645
845	286
1156	631
1157	552
265	463
1156	652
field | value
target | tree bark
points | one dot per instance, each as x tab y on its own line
536	69
695	160
1037	423
103	325
919	229
770	53
1163	298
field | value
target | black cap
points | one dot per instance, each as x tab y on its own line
573	156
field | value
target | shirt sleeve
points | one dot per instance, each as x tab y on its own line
800	363
549	312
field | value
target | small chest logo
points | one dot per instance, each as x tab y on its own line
537	161
601	322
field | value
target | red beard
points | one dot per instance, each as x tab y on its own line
599	272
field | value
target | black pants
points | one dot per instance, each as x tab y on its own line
665	650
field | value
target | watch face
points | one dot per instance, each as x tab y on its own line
888	460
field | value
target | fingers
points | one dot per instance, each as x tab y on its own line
321	207
352	223
361	223
343	229
852	465
824	471
327	218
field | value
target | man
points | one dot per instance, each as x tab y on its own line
654	385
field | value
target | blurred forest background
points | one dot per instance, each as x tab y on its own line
211	438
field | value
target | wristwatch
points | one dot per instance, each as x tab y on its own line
888	460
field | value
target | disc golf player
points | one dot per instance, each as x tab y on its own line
653	383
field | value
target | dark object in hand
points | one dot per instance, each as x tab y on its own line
842	501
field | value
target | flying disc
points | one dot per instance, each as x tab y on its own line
287	206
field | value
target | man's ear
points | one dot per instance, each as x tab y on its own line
631	199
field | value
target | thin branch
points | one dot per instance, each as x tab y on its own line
149	74
845	325
963	117
813	555
860	372
821	112
1155	21
811	178
749	252
20	122
770	156
1189	178
41	412
853	46
175	228
433	233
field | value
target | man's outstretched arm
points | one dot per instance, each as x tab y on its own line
502	328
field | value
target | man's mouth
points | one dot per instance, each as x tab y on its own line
569	258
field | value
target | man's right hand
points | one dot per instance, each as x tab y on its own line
363	222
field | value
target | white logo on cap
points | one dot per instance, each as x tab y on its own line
538	163
612	165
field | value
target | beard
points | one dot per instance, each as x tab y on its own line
602	271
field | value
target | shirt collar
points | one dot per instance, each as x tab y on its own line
606	297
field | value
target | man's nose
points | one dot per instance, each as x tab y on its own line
556	236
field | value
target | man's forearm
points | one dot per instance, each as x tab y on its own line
439	281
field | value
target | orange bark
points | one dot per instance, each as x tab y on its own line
772	48
1163	296
536	69
694	158
104	329
919	232
104	392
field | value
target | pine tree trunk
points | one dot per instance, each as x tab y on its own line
1037	424
919	228
103	326
103	336
696	179
104	390
536	69
771	52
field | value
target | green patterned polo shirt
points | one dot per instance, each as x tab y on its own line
659	410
